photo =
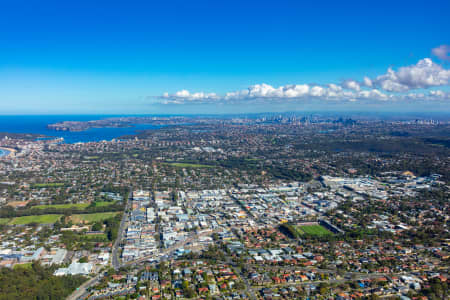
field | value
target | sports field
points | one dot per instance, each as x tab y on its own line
25	266
103	203
4	221
45	185
42	219
187	165
312	230
92	217
73	205
62	206
95	238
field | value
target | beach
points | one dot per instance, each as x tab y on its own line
6	151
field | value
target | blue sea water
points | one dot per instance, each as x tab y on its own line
38	125
3	152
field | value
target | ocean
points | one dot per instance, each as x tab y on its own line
3	152
38	125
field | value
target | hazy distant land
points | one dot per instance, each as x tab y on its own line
118	122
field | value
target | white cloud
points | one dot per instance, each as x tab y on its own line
352	85
367	82
264	91
297	90
185	96
433	95
267	91
439	94
373	94
182	94
259	91
424	74
391	86
442	52
317	91
334	87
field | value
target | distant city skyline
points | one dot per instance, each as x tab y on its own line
204	57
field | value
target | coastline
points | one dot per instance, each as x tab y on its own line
34	127
9	151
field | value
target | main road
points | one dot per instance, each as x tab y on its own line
115	249
171	249
82	291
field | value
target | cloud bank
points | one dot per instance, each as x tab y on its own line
406	83
424	74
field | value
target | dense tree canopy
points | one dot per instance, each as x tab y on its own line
36	282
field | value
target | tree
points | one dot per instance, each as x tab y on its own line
36	282
97	226
187	290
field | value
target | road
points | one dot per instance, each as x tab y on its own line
248	287
171	248
81	292
115	249
330	281
352	274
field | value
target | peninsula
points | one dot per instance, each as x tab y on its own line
118	122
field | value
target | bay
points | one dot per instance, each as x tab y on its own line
38	125
3	152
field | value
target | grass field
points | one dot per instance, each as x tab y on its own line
42	219
103	203
313	230
187	165
72	205
4	221
23	266
97	238
92	217
62	206
44	185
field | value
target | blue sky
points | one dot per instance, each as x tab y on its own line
121	57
